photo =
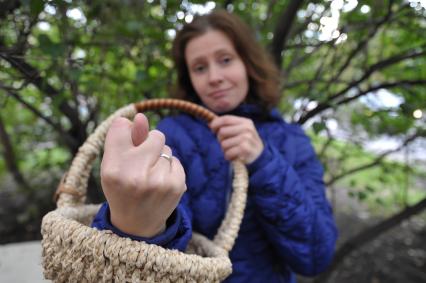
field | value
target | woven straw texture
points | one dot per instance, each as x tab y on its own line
74	252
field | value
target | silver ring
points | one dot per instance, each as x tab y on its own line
166	156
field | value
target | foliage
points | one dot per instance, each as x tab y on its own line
385	189
66	65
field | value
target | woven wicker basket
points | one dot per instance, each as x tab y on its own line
75	252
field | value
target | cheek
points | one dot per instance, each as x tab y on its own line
196	83
242	76
244	83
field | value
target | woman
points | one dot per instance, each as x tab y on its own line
288	224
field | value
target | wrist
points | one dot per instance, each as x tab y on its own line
137	227
255	155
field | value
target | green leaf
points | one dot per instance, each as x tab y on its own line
379	201
36	6
370	189
153	72
49	47
140	75
362	195
318	127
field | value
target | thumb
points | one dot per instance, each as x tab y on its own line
140	129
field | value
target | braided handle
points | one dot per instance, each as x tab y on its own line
169	103
72	189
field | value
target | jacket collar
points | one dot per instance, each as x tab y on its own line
254	112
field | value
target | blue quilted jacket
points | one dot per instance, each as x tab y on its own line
288	224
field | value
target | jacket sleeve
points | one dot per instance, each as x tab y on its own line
179	225
176	236
292	206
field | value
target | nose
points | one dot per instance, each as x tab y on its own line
215	75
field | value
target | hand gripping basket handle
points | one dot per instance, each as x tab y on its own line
72	188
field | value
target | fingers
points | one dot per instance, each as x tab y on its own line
140	129
229	126
238	138
168	174
167	150
179	176
165	159
118	136
123	133
126	136
234	153
231	142
143	148
226	132
170	163
152	147
236	148
225	120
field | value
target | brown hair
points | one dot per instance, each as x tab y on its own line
262	73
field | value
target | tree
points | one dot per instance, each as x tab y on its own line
66	66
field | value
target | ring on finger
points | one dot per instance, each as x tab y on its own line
166	156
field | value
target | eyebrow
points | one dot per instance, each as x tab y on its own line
220	51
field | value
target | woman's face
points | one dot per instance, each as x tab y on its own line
217	72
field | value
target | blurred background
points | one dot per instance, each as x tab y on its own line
353	72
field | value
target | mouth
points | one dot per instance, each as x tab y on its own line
218	93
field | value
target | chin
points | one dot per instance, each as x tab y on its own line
220	106
223	109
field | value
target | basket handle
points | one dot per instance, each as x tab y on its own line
72	189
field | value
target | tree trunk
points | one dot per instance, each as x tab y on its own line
282	30
10	158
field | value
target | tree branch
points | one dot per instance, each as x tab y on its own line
297	60
32	75
382	86
381	65
361	45
373	68
227	3
8	7
367	235
376	161
270	8
316	77
302	27
330	139
294	84
282	30
57	127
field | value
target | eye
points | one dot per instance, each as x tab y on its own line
199	68
225	60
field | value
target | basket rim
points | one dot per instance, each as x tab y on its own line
66	216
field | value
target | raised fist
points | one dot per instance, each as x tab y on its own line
141	180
